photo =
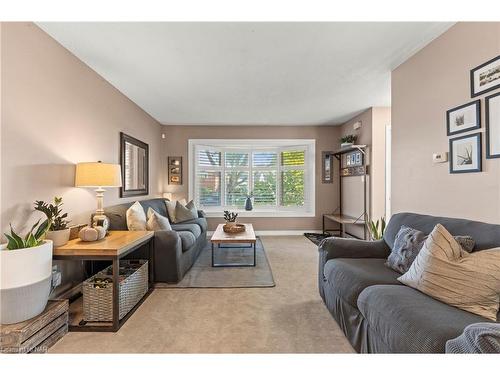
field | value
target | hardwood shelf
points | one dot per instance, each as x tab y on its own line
344	219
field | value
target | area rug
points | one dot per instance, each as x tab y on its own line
203	275
316	238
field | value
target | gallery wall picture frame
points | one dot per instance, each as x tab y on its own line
485	77
466	153
464	118
327	163
493	126
175	170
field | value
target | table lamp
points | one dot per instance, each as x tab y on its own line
98	175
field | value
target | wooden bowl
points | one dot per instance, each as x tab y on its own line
235	228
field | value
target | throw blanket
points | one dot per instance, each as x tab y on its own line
476	338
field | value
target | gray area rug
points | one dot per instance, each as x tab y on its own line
203	275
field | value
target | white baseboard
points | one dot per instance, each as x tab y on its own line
298	232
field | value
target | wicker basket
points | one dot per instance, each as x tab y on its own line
235	228
98	302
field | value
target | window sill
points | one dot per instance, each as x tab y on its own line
261	213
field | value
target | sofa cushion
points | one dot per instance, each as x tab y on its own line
136	217
201	222
350	276
185	212
157	221
187	240
193	228
408	321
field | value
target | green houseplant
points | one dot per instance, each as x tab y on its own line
348	140
56	220
377	228
230	218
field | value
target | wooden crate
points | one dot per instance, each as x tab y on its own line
38	334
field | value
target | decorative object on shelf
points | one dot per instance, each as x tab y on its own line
485	77
98	175
58	224
230	218
90	234
377	228
135	166
26	273
327	175
493	126
465	154
74	230
38	334
175	170
348	140
236	228
352	164
248	202
463	118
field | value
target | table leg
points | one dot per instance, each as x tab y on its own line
151	256
254	255
116	291
213	261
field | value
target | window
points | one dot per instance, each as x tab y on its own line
279	174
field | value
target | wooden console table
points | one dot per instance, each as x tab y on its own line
115	246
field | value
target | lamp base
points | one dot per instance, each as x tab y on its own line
100	220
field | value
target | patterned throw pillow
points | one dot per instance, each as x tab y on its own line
409	242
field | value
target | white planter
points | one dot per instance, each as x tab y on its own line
230	224
59	237
25	280
343	145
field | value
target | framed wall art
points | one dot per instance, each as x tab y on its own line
465	154
463	118
327	159
485	77
493	126
134	156
175	170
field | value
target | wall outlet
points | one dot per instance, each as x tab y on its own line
440	158
56	276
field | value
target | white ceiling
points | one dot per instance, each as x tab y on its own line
248	73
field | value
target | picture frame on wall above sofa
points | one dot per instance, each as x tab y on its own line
465	154
485	77
493	126
327	158
463	118
134	156
175	170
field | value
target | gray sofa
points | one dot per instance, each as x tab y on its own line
175	250
377	313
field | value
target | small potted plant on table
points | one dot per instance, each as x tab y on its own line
57	222
230	218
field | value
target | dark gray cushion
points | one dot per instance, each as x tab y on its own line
409	242
408	321
477	338
193	228
187	239
201	222
350	276
486	236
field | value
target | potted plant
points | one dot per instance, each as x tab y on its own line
348	140
377	228
248	203
58	225
230	218
26	274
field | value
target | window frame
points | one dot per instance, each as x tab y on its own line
250	146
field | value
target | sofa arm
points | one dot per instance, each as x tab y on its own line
167	254
476	338
202	214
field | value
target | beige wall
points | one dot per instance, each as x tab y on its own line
423	89
176	144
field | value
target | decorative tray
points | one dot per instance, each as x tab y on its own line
236	228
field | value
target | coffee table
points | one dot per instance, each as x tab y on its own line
222	240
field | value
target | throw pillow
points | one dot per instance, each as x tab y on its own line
171	208
444	271
136	218
185	212
409	242
156	221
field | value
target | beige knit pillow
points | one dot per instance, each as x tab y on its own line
444	271
136	218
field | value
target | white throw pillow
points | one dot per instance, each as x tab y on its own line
171	208
136	218
446	272
156	221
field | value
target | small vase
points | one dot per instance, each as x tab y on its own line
59	237
248	204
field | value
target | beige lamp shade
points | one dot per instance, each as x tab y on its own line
98	175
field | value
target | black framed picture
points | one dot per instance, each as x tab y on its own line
485	77
134	156
465	154
493	126
463	118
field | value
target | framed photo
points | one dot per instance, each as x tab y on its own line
493	126
485	77
348	160
463	118
327	158
465	154
175	170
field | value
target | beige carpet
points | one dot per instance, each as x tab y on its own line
289	318
203	275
